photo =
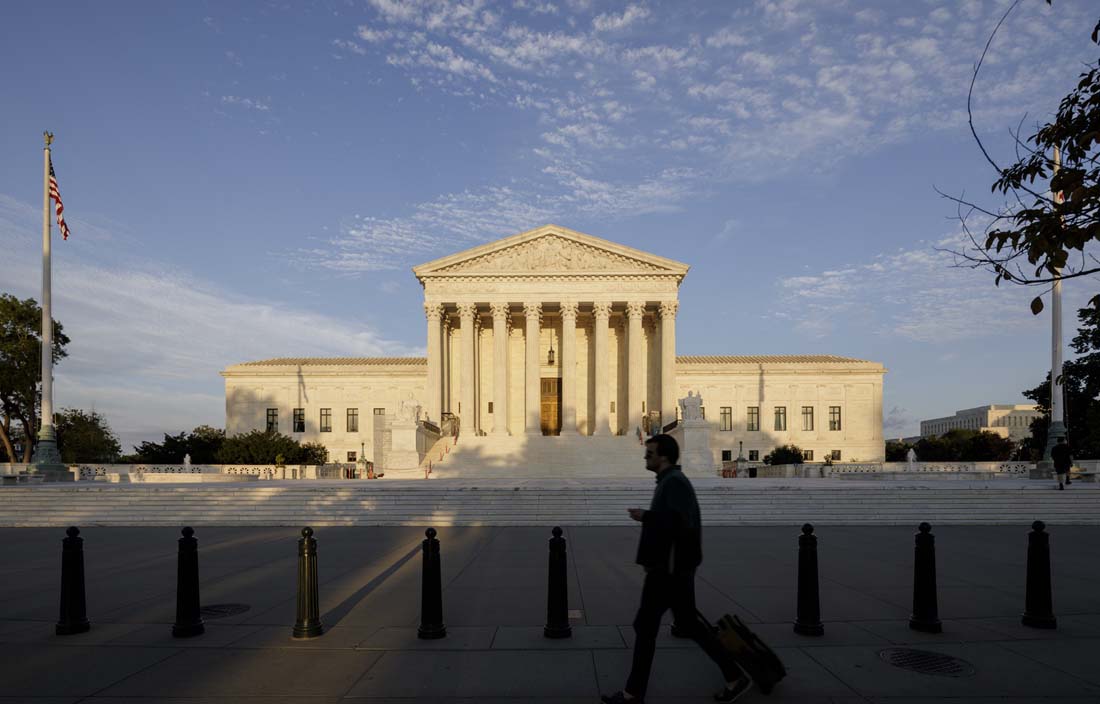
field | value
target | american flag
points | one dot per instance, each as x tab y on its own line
55	194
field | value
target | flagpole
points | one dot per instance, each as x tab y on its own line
1057	428
47	460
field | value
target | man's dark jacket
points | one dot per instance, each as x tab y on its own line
672	532
1061	456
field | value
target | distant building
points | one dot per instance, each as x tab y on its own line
1011	421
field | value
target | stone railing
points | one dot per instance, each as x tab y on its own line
163	472
888	469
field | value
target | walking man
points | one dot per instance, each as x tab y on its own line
1059	454
670	549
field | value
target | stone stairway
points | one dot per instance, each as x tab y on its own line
567	501
521	456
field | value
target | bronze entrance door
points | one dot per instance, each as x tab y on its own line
550	416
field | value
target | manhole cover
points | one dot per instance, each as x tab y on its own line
222	610
926	662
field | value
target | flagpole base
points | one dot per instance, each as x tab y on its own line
47	460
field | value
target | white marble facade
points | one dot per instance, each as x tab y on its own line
553	331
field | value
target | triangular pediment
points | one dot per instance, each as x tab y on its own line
549	250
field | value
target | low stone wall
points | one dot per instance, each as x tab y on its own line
129	473
891	470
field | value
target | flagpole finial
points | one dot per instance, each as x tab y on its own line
49	138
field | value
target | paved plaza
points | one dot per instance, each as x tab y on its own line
494	595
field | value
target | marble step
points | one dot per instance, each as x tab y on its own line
430	503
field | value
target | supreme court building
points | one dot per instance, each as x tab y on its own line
554	332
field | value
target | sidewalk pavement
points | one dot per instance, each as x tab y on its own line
495	606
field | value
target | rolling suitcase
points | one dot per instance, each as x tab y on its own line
751	653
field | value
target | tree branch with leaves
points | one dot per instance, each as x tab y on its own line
1053	212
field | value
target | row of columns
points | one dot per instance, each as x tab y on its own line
437	381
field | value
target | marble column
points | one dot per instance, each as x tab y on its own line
500	368
467	412
532	381
635	390
434	391
478	405
569	367
601	312
446	366
668	361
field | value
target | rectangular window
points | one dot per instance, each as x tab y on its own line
753	418
807	417
835	455
326	420
490	406
299	420
380	411
702	412
353	420
273	420
351	456
808	455
780	417
727	455
727	418
612	406
834	417
754	455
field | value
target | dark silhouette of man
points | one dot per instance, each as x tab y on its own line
670	549
1063	461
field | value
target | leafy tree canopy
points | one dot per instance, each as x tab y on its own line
85	437
784	454
964	445
1080	392
260	447
20	370
1053	214
202	444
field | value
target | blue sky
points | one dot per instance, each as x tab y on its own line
250	180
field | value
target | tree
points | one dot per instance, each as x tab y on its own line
202	444
1080	389
897	451
85	437
784	454
262	447
20	369
1042	236
964	445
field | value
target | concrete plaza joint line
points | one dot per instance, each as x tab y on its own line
494	598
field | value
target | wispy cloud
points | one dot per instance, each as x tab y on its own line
260	104
916	294
149	341
611	22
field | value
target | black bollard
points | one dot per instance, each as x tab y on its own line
1038	603
74	613
308	622
188	619
808	619
557	590
431	591
925	617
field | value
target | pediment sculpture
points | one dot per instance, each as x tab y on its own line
551	253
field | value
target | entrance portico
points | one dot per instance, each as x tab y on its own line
551	331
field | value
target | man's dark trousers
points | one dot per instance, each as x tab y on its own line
663	591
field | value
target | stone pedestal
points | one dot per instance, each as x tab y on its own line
695	454
403	453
